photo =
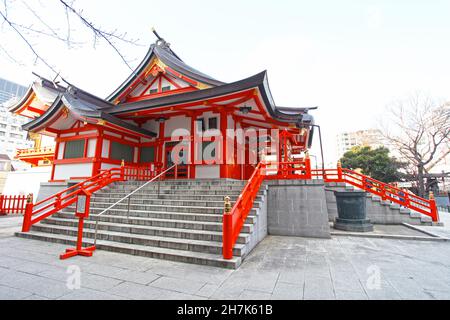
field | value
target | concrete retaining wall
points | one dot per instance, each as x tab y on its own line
260	226
297	208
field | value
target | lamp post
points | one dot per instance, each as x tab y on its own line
306	125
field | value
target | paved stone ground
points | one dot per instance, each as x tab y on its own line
279	268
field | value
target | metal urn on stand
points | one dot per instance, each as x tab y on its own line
351	208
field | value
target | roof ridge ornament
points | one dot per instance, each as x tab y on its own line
160	42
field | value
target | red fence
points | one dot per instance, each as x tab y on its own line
12	204
233	220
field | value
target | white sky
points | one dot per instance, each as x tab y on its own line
350	58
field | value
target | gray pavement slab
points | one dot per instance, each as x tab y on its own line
278	268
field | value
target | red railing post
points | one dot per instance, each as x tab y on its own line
28	213
122	170
227	230
308	166
383	192
339	171
434	212
2	201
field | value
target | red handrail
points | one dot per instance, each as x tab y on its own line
234	220
385	191
66	197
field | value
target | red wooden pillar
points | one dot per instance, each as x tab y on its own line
223	132
161	143
96	167
55	157
194	146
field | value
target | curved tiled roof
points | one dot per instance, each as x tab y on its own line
162	51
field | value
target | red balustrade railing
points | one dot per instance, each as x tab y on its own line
234	220
49	206
288	170
33	151
140	173
12	204
385	191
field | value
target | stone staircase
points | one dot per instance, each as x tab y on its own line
378	211
181	220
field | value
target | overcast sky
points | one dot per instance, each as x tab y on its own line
350	58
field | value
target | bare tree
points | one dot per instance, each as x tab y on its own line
41	26
421	134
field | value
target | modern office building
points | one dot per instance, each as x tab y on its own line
12	137
347	140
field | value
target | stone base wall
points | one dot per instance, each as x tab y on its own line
297	208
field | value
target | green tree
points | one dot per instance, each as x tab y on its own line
375	163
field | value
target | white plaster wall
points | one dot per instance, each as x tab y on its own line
61	150
151	125
207	171
91	148
112	134
180	122
66	171
27	181
106	166
105	148
165	83
71	134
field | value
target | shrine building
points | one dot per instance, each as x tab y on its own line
163	104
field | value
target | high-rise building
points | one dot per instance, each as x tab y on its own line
346	140
12	137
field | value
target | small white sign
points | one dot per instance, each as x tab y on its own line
81	204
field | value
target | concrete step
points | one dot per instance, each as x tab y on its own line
69	212
164	202
210	246
200	197
190	182
210	230
186	192
140	250
154	187
97	207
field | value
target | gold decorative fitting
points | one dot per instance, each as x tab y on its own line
65	112
30	198
431	196
227	204
339	164
123	163
101	122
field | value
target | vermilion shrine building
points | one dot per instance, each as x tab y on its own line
162	102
